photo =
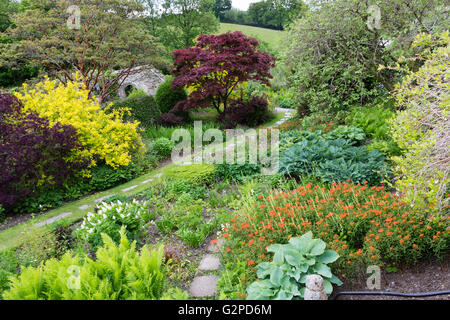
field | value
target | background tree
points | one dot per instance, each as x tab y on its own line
220	7
7	8
216	65
335	57
181	21
275	13
111	37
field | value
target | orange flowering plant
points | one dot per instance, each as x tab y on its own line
364	225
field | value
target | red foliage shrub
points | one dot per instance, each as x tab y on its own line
33	155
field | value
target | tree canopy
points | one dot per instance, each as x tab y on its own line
216	65
111	36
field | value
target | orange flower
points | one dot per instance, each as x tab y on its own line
251	262
214	241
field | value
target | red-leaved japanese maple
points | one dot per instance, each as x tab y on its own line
216	65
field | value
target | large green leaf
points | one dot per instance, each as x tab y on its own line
323	270
329	256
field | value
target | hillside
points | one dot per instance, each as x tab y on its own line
267	35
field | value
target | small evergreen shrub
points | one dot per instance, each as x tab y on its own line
163	147
166	98
143	108
195	174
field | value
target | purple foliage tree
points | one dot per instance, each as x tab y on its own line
216	65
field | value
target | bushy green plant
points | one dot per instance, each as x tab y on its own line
163	147
237	172
333	161
143	108
109	218
354	134
120	272
373	120
195	174
9	266
284	278
166	98
421	128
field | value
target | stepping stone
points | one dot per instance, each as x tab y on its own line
129	189
209	263
204	286
159	175
103	198
84	207
147	181
51	220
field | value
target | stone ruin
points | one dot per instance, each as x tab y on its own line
147	80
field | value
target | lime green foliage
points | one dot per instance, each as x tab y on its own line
104	136
196	174
374	121
109	218
422	127
119	273
284	278
166	98
143	108
9	266
163	147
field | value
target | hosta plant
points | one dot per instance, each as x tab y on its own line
284	278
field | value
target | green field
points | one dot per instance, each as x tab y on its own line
268	35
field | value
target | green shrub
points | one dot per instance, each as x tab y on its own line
195	174
120	272
354	134
236	172
284	278
333	161
163	147
110	218
373	120
142	108
421	128
9	266
2	214
166	98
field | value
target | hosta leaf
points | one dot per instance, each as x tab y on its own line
328	286
323	270
318	247
329	256
275	276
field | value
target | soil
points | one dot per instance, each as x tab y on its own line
425	277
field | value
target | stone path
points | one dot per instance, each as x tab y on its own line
54	219
204	286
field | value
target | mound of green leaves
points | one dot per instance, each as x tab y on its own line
284	278
334	160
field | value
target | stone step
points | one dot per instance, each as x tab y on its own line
54	219
209	263
204	286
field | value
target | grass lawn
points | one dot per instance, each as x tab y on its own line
268	35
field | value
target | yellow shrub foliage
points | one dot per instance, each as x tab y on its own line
105	136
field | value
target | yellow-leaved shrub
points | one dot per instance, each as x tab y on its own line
105	136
